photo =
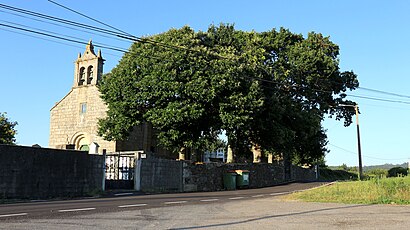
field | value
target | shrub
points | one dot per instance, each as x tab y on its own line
377	173
397	171
332	175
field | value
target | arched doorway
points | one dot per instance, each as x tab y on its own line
81	141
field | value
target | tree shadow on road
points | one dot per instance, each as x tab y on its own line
270	216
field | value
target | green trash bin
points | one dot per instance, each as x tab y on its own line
230	180
242	180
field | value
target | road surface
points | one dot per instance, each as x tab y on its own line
243	209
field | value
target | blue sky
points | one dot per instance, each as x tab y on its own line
373	37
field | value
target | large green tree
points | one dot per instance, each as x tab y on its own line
7	130
166	86
302	83
268	91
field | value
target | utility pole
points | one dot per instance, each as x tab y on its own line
359	149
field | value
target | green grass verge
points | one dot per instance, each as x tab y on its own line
373	191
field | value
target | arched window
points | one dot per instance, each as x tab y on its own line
81	76
90	74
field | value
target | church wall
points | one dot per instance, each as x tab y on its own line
68	124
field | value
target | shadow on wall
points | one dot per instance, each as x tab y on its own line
164	175
39	173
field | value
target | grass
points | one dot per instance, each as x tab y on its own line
374	191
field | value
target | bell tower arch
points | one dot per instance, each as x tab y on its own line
88	67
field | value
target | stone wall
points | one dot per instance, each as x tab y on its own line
160	175
209	176
303	174
38	173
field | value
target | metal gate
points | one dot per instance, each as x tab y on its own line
119	170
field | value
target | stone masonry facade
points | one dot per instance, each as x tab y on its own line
69	125
74	119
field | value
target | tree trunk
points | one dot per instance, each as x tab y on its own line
270	158
181	154
194	155
287	166
257	153
229	157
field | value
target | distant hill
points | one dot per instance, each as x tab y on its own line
385	166
367	168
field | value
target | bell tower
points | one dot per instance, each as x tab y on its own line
88	68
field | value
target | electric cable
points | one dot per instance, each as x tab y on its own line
58	37
355	153
126	35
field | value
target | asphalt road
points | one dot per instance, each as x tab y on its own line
243	209
124	201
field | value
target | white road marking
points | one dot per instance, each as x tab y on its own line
176	202
236	198
38	200
209	200
279	193
124	194
258	195
131	205
15	214
76	210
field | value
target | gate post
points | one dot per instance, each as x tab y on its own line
137	172
104	162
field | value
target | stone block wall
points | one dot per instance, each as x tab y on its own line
39	173
209	176
161	175
303	174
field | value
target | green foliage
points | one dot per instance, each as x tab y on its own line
343	167
397	171
376	173
327	174
7	130
214	145
270	89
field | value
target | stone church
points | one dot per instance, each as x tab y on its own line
74	119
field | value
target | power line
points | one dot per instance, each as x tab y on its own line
60	20
65	26
58	37
122	35
77	12
51	32
376	158
384	92
128	36
252	78
135	38
50	40
379	99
